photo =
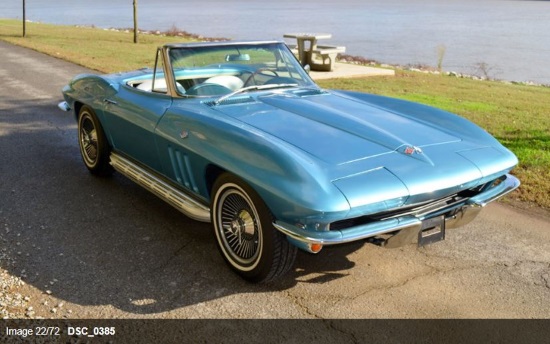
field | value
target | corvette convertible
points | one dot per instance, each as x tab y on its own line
237	134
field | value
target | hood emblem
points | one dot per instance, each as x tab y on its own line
410	150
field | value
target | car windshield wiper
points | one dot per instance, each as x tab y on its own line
251	88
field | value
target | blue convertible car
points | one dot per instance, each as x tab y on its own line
237	134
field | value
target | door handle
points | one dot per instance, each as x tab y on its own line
109	101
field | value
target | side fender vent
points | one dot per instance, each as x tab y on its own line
182	169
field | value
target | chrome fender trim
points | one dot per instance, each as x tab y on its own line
160	188
508	183
351	234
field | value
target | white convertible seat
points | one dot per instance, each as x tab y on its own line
147	85
229	81
160	85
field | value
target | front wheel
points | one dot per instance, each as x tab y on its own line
245	234
94	147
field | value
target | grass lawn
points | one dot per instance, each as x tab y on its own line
106	51
517	115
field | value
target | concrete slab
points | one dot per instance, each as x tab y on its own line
348	70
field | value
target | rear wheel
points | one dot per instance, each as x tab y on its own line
94	148
245	234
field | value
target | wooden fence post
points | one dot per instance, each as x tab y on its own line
135	22
24	20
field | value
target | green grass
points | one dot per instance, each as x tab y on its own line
106	51
517	115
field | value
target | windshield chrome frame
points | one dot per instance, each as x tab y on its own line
171	78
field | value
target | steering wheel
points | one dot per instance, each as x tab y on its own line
208	90
256	72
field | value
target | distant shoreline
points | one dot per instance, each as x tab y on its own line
174	31
429	69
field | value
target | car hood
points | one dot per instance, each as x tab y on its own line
335	129
404	150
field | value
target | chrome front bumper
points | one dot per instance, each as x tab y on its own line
64	106
455	216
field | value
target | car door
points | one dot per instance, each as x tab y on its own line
132	115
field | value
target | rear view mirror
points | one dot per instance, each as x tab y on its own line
237	57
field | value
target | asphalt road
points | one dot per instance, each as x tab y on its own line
98	248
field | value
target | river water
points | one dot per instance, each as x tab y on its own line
508	39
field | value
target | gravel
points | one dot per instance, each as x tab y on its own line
17	300
13	304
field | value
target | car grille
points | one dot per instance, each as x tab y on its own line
417	210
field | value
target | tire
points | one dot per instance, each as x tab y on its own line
94	147
244	232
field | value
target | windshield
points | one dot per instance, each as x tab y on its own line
220	70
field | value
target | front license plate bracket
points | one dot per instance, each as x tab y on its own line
432	230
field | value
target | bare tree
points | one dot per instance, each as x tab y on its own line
135	22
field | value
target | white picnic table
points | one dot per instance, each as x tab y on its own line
305	52
307	46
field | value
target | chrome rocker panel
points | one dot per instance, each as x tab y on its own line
160	188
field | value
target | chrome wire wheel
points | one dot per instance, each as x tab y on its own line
94	147
240	232
246	237
88	140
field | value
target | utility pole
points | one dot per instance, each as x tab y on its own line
135	22
24	21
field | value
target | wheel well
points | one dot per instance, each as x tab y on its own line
77	107
212	173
